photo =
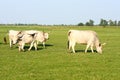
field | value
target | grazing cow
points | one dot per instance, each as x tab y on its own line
40	36
27	39
87	37
13	36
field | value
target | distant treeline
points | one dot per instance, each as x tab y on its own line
19	24
103	23
22	24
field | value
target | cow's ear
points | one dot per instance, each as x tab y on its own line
19	32
20	36
99	44
32	35
20	39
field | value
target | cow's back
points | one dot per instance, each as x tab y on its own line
82	36
27	38
13	32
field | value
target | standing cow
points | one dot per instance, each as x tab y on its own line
40	36
13	36
27	39
87	37
33	37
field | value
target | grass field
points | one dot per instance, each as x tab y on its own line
55	63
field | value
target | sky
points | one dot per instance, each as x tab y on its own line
58	11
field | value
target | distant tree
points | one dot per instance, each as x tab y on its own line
80	24
103	23
118	23
115	23
90	23
111	23
87	24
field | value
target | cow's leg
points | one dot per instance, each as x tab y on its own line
92	48
31	45
19	48
35	45
43	44
22	46
73	47
10	43
69	45
87	48
37	42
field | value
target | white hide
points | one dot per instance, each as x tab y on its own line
27	39
87	37
13	36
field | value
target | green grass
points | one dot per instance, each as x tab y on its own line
55	63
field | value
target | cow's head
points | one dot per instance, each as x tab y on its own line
16	37
46	35
99	48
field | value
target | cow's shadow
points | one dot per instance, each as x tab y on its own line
46	45
83	51
3	43
39	47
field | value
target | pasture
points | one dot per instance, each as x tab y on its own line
55	63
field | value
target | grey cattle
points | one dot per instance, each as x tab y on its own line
40	36
87	37
13	36
27	39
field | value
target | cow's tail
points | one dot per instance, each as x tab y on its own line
68	39
69	32
68	44
5	39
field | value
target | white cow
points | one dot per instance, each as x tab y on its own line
87	37
27	39
13	36
40	36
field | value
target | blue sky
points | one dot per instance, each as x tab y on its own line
58	11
